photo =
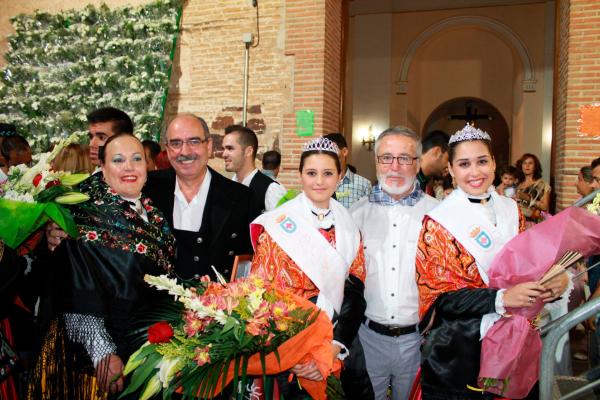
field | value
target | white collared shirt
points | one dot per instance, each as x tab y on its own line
188	216
275	191
390	235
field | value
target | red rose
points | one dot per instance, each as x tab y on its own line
160	332
55	182
37	179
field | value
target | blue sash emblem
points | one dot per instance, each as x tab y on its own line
483	239
288	225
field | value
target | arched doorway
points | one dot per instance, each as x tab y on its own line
448	117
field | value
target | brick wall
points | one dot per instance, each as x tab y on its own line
577	84
313	41
295	66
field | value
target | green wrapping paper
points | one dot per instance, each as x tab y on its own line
19	220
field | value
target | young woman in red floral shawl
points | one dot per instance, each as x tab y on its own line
311	246
98	281
457	243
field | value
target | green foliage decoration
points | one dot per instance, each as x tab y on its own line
61	66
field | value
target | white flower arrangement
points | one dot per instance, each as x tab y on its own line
61	66
594	206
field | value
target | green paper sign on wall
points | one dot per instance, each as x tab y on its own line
305	123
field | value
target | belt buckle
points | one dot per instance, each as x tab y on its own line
396	330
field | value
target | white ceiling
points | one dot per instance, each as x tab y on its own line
357	7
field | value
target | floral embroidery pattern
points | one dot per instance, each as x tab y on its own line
110	221
271	262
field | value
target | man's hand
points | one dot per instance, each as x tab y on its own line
109	374
54	235
308	370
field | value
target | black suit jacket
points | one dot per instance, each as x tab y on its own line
225	230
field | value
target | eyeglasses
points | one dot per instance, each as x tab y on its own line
193	142
596	179
402	160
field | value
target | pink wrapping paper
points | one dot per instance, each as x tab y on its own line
510	351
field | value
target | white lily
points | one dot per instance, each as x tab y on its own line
152	387
167	368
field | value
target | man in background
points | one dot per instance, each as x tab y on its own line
240	145
271	161
104	123
352	186
434	161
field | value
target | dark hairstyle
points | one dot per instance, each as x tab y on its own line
271	160
102	149
452	148
435	139
338	139
595	163
537	172
246	137
510	170
309	153
15	143
586	174
121	123
447	182
7	130
152	146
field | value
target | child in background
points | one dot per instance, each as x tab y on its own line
508	184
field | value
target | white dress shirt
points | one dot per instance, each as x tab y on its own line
390	235
275	191
188	216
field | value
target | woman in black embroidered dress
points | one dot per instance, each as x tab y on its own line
98	282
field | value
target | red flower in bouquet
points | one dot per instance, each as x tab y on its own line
54	182
37	179
160	332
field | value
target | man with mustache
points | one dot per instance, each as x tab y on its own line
208	213
390	221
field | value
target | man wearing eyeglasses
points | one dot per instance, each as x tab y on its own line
208	213
390	221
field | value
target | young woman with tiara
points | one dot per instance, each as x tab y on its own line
457	243
311	246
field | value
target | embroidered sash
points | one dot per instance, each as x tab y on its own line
468	223
291	227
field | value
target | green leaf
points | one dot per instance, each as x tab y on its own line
229	325
49	194
143	373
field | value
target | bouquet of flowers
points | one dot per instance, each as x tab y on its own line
510	350
227	332
594	206
32	196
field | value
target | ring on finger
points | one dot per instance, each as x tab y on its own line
531	300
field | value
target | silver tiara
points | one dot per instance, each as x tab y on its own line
322	144
469	133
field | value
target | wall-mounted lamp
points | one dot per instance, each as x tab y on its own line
369	139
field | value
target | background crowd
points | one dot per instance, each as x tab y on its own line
388	262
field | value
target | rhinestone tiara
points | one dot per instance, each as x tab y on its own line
469	133
322	144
